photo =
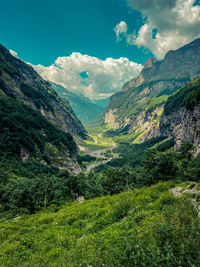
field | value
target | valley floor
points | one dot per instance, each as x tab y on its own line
95	146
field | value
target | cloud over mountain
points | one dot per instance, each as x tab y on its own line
90	76
168	24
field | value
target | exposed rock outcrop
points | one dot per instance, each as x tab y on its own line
192	190
146	126
110	117
150	62
183	125
181	116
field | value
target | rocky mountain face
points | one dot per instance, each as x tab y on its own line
83	107
150	62
19	85
155	83
178	65
183	125
19	80
181	116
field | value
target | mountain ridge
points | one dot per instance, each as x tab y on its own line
20	80
36	123
161	79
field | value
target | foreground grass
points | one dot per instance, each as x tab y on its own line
145	227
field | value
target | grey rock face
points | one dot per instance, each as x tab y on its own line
182	64
150	62
183	125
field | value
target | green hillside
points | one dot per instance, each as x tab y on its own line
21	127
188	96
145	227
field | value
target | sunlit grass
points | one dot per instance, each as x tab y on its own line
144	226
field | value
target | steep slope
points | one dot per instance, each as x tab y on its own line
128	109
25	134
178	65
83	107
181	116
19	80
146	227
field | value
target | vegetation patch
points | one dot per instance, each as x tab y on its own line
21	127
188	97
39	98
142	227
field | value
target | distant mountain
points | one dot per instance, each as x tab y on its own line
102	102
85	110
35	123
136	109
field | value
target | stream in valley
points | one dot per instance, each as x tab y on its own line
99	154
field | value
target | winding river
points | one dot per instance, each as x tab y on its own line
99	154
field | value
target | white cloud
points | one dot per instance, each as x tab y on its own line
13	53
120	29
176	22
101	78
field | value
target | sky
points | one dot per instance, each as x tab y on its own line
93	47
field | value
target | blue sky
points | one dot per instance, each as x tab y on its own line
41	30
108	40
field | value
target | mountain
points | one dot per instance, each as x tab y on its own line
136	109
181	116
35	123
25	134
102	102
83	107
19	80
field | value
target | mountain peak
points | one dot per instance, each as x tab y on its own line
149	63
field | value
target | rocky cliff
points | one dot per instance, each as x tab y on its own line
155	83
181	116
181	65
183	125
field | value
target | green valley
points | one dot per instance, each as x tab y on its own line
83	186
